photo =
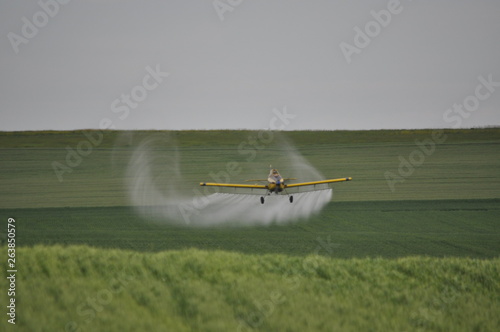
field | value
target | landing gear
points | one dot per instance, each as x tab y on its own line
290	198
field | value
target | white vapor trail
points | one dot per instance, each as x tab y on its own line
155	188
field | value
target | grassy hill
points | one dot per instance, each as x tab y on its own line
78	288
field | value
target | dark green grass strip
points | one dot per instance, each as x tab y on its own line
459	228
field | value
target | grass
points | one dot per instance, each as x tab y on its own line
466	228
192	290
465	166
421	257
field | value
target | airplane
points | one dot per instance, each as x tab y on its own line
275	184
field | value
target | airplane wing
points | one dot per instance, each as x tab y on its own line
257	186
229	185
317	182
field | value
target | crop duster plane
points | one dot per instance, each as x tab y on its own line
275	184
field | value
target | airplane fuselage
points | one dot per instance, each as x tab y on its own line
276	187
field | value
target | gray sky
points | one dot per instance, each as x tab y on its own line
230	63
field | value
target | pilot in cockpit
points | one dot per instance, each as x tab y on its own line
274	176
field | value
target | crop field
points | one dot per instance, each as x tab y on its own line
411	244
85	289
462	228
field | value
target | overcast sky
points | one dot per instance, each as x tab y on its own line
230	63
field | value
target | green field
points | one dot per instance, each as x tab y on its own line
85	289
464	166
462	228
420	254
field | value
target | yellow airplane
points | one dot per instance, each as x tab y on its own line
275	184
